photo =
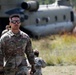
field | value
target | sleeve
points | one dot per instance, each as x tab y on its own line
1	55
43	63
29	52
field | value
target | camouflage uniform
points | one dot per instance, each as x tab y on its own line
13	48
39	63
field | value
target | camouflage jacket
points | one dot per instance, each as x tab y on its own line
15	45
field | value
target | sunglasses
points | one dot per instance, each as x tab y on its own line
15	21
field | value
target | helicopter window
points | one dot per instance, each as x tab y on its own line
56	18
37	20
47	19
64	17
24	17
72	16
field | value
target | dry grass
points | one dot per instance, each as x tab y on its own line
57	49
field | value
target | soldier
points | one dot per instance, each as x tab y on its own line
39	63
14	44
6	30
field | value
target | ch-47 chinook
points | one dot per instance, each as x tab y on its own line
39	20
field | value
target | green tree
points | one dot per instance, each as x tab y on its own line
46	1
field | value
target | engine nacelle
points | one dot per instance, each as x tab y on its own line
30	5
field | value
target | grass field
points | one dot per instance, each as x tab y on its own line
57	49
59	52
59	70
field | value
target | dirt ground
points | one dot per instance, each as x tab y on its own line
59	70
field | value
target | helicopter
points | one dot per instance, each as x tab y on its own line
39	20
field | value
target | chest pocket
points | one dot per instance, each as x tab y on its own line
16	44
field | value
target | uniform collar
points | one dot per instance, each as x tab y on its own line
13	34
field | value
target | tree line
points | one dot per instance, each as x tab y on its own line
73	2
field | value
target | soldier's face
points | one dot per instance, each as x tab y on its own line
15	23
